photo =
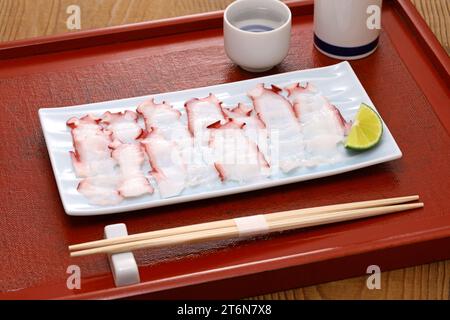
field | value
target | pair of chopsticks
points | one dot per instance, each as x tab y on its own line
225	229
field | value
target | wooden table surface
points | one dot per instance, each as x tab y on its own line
21	19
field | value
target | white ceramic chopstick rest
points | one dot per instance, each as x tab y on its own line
123	265
251	226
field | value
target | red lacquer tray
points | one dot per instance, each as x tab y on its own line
407	78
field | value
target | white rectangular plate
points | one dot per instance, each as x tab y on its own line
338	83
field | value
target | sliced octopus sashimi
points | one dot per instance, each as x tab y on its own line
101	190
93	162
92	155
285	134
236	157
123	125
168	123
307	102
323	125
254	128
167	164
202	113
244	144
130	158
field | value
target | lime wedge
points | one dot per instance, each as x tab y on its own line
366	130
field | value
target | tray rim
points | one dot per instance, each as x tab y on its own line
195	22
441	236
125	33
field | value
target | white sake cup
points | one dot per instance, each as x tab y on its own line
257	51
346	29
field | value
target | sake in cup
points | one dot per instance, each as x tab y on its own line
257	33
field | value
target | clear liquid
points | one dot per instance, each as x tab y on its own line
256	28
258	20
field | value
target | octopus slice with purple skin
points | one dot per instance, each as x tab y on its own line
307	100
323	125
167	164
202	113
285	133
92	155
237	158
123	125
243	112
168	123
92	161
240	111
101	190
130	158
254	128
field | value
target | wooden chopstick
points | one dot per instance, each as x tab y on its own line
230	222
232	231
